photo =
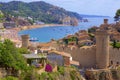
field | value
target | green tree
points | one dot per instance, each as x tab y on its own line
91	30
117	16
1	16
10	56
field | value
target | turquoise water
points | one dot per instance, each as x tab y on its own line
45	34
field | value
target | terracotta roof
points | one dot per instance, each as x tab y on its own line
83	41
60	53
74	62
44	44
83	36
85	47
47	48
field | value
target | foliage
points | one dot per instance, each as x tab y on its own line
117	16
73	74
65	41
23	50
43	76
115	44
61	70
37	10
28	74
10	56
1	16
48	76
72	39
9	78
91	30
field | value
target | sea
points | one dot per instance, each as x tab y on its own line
45	34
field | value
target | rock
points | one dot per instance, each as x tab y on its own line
99	75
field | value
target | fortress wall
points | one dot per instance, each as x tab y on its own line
114	55
85	56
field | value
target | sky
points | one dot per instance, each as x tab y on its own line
95	7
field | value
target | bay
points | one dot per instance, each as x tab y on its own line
45	34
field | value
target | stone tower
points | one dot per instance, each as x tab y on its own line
105	21
25	41
102	49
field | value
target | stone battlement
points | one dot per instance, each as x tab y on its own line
25	36
102	32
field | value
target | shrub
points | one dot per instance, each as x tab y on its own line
9	78
61	70
116	44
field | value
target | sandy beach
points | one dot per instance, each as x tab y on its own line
40	26
12	33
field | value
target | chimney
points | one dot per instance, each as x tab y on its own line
105	21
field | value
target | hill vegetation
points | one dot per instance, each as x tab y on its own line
117	15
40	10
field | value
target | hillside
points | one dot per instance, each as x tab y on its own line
40	10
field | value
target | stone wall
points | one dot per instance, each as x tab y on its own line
8	72
99	75
85	56
114	55
3	72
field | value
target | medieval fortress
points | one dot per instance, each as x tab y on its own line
100	56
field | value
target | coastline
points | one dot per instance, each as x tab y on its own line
12	33
40	26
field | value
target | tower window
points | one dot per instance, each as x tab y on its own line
117	63
111	62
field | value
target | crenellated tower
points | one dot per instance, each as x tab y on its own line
102	49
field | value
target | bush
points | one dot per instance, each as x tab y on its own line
61	70
9	78
116	44
48	76
23	51
73	75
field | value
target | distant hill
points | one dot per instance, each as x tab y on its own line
40	10
91	16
